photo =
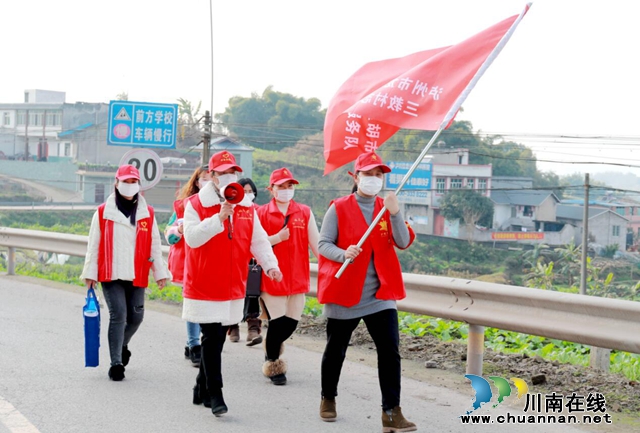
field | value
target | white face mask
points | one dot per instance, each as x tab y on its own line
370	185
128	189
247	200
250	196
202	183
285	195
226	179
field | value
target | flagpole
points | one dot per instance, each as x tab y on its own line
452	112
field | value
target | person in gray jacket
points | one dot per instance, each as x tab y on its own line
367	290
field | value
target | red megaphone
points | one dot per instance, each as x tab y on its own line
233	193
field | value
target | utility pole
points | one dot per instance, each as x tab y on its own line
206	138
41	149
26	137
585	237
599	357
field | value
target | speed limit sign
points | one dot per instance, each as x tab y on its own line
148	164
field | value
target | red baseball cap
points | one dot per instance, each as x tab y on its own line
223	161
280	176
127	172
369	161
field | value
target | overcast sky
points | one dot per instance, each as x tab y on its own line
571	68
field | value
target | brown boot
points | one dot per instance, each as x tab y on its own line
234	333
328	409
394	421
254	328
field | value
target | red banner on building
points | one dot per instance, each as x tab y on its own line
516	236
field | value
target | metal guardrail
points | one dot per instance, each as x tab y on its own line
38	204
601	322
52	242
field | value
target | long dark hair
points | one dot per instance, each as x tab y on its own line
127	207
247	181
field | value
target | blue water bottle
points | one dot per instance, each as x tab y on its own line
91	313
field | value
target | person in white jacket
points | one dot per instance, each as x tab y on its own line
222	238
124	245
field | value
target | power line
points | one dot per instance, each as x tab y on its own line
568	140
555	161
525	190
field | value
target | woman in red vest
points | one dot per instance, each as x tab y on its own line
173	234
124	244
367	290
292	231
222	238
252	299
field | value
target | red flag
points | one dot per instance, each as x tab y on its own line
420	91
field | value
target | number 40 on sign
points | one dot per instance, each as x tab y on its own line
148	164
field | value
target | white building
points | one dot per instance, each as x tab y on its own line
30	129
446	169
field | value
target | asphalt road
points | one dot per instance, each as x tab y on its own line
44	386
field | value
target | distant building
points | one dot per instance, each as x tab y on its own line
242	152
606	227
45	128
524	210
29	129
444	170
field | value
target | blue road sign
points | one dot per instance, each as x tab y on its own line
142	124
420	180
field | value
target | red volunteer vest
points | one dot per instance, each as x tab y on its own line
217	270
347	289
292	254
176	252
142	261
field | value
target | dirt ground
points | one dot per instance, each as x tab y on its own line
448	360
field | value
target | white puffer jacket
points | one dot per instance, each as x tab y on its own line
124	244
198	233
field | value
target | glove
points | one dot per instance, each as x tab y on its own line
173	236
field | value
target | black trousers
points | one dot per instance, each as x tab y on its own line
279	331
126	311
383	328
210	372
251	308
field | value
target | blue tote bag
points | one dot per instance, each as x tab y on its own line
91	313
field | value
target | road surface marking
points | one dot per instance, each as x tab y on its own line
14	420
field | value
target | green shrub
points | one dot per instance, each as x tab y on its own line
312	307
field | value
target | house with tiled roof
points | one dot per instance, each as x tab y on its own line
606	227
524	210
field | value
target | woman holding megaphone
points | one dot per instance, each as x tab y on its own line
222	238
292	231
173	233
